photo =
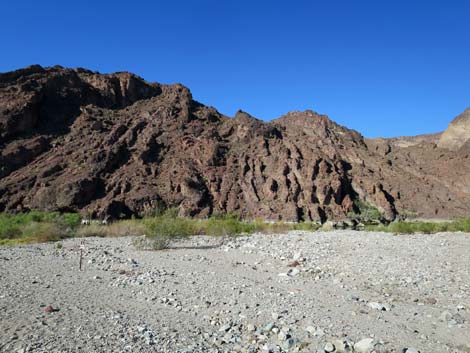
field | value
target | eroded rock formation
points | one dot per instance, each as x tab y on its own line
75	140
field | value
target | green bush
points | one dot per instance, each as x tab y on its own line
462	225
172	226
366	211
43	232
228	225
37	226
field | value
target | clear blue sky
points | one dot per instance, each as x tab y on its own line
384	68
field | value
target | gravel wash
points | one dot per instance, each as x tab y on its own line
338	291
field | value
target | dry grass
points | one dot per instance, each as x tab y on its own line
116	229
161	230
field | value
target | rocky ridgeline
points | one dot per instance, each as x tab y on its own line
114	144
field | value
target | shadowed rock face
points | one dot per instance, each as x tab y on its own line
74	140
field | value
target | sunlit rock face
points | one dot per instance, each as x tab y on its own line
114	144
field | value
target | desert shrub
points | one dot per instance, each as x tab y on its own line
71	220
172	227
125	228
9	230
92	230
308	226
43	232
159	210
366	211
228	225
462	225
37	226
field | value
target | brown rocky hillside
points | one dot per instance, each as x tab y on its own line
114	144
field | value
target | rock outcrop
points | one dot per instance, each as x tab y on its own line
458	132
114	144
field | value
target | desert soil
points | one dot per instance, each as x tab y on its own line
301	291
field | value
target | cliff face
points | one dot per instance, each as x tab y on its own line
74	140
458	132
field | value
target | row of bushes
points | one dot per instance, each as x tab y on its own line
42	226
161	229
459	225
37	226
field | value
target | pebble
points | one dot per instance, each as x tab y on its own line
379	306
293	272
364	346
410	350
200	311
329	347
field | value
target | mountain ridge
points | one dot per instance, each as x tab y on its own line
115	144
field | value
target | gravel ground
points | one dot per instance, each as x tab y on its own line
338	291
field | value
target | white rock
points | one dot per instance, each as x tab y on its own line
251	327
377	306
364	346
329	347
445	316
411	350
319	332
310	329
293	272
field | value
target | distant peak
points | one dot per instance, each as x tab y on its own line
244	116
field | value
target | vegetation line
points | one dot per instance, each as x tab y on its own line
162	228
37	227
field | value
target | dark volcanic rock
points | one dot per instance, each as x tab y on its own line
74	140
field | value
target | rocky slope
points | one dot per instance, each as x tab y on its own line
458	132
114	144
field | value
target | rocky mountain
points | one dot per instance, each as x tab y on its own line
408	141
458	132
114	144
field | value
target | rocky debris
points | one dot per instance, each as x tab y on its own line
205	296
114	144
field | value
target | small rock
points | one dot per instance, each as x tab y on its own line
410	350
319	332
310	329
268	327
49	309
364	346
445	316
282	336
225	328
294	264
293	272
288	343
251	327
340	346
329	347
378	306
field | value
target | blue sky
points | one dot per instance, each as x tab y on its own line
384	68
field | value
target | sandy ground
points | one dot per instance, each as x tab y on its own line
309	292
